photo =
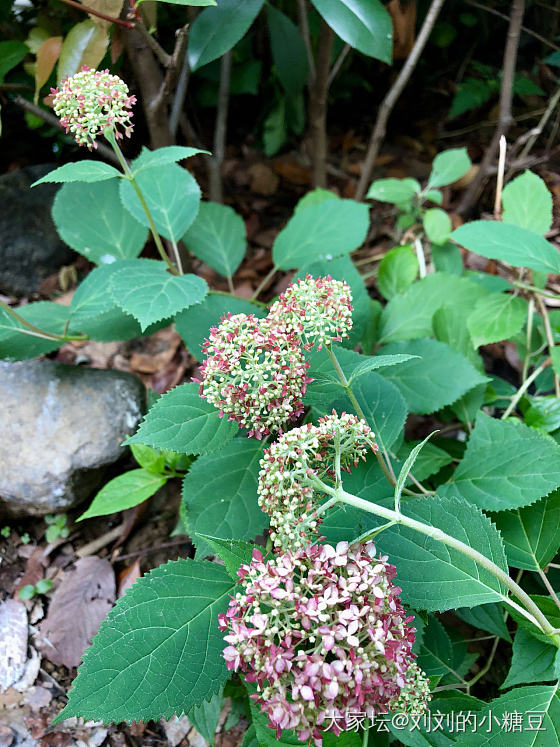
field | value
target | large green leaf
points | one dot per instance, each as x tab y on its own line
194	323
437	225
496	317
148	159
234	553
436	378
217	237
15	341
181	421
537	725
125	491
216	30
145	289
506	465
363	24
398	269
434	576
220	494
397	191
489	617
158	653
409	315
533	661
450	326
288	50
85	44
532	534
11	54
512	244
81	171
436	654
448	167
527	202
172	196
91	219
319	232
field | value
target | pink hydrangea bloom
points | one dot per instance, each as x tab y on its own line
254	374
92	102
321	632
287	489
318	310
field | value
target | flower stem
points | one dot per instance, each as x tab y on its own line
130	176
529	610
523	388
31	329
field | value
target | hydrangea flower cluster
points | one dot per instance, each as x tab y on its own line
322	632
318	310
255	374
289	468
91	102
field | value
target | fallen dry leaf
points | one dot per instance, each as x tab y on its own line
128	576
292	170
34	569
78	606
13	642
263	179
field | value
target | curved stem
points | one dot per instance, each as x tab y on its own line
130	176
264	282
523	388
31	329
530	611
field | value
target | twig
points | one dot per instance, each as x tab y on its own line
553	103
523	388
95	545
318	106
172	72
505	18
500	179
216	161
388	103
549	337
52	120
93	12
157	49
304	29
338	64
264	283
505	118
147	550
548	585
179	98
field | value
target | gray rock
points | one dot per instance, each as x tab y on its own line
59	427
30	249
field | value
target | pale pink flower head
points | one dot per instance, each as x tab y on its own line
254	374
289	468
308	630
91	103
317	310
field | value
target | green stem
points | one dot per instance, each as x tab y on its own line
534	289
530	312
130	176
264	282
31	329
214	292
523	388
529	610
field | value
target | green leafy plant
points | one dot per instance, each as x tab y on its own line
31	590
294	434
57	527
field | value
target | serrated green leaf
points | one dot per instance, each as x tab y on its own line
81	171
205	717
396	191
216	30
194	323
496	317
158	653
448	167
450	326
539	708
437	225
234	553
148	458
372	363
315	197
217	236
144	289
532	661
363	24
162	156
397	271
434	576
125	491
321	231
409	315
488	617
550	610
506	465
15	342
428	462
437	377
406	469
288	51
527	202
172	196
447	258
220	493
180	420
544	413
531	535
91	220
512	244
436	653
